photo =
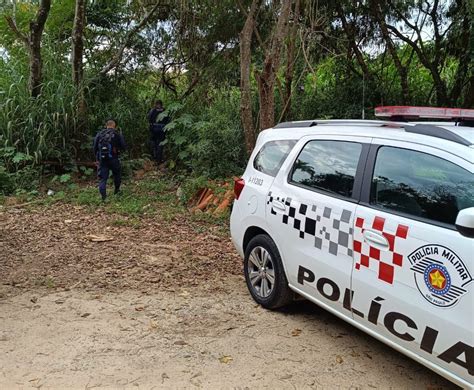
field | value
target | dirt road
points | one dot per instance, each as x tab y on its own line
163	305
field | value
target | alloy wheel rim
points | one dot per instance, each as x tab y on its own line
261	272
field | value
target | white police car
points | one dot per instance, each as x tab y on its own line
372	220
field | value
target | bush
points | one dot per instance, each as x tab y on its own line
26	179
6	183
210	142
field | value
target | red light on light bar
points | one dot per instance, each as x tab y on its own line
414	112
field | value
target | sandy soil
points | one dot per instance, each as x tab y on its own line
169	309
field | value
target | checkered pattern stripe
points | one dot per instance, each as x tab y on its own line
367	256
332	231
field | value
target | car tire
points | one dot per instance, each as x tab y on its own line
264	273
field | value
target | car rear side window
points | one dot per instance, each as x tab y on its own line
327	165
421	185
272	155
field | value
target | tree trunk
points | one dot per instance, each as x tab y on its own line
77	63
266	78
466	60
245	87
469	94
36	65
36	33
349	30
32	42
425	55
290	62
78	43
266	98
402	70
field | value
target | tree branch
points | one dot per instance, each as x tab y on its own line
37	26
21	36
348	29
411	43
118	55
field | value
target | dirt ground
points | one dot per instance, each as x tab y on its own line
163	305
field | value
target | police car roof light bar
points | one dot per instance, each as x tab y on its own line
417	112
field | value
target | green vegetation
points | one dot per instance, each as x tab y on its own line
154	195
335	60
149	196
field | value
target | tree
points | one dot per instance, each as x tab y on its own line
266	76
469	95
433	55
379	15
117	56
245	85
291	59
78	43
77	60
32	42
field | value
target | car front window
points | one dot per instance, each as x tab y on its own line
421	185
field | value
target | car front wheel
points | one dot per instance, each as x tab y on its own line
264	273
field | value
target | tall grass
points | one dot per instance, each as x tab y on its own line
38	128
46	128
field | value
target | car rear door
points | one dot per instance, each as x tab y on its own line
412	277
263	166
310	213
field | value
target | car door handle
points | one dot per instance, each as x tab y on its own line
376	239
278	206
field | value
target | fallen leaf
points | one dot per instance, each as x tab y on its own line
339	359
180	342
296	332
139	308
98	238
225	359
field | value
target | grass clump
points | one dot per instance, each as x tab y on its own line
149	196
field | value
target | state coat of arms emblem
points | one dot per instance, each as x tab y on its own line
440	275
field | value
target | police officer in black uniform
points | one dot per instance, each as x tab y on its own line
157	130
108	143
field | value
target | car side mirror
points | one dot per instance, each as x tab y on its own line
465	222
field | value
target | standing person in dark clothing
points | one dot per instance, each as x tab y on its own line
157	130
108	143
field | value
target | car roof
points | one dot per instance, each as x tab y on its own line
464	132
458	140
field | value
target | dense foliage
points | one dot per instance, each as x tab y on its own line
187	54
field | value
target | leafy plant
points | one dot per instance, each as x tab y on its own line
65	178
208	142
6	183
